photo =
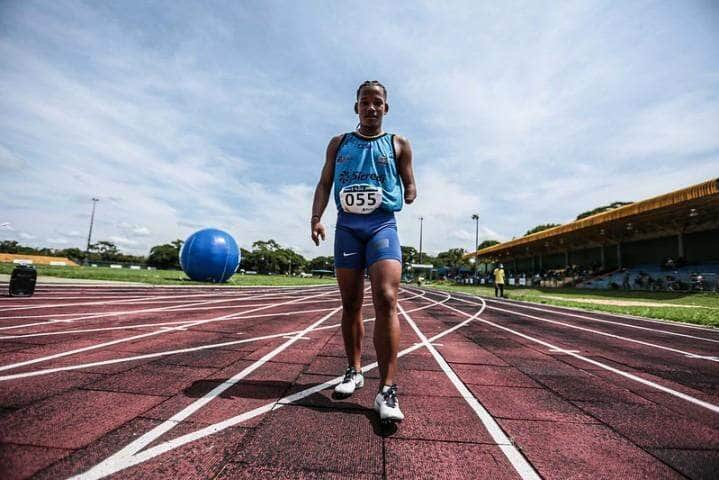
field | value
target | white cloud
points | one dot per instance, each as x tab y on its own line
27	236
57	240
524	115
122	241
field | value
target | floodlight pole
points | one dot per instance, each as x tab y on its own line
475	217
421	219
89	235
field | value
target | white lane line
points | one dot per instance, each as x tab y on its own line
665	323
182	306
160	324
115	464
196	306
170	308
183	350
128	301
520	464
636	378
177	308
590	330
104	302
111	464
136	337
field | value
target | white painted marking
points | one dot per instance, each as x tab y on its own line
298	338
170	308
159	324
140	299
667	323
561	350
107	467
704	357
173	352
590	330
136	337
636	378
111	464
520	464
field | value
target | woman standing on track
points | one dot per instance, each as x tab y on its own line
366	167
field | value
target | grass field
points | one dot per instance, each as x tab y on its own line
701	308
163	277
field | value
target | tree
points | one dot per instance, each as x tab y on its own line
488	243
74	254
452	258
165	256
539	228
602	209
270	257
321	263
409	255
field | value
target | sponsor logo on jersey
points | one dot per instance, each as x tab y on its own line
349	177
382	160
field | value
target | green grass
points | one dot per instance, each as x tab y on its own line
164	277
704	306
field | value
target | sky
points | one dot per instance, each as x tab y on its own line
184	115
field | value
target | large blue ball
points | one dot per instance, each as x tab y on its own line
210	255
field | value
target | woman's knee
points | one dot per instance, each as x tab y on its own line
386	297
352	305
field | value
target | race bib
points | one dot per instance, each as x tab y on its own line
360	199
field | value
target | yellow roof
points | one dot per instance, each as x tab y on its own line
703	194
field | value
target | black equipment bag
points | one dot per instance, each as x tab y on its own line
22	281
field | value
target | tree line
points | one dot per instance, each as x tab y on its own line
266	256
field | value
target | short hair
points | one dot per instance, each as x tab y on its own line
372	83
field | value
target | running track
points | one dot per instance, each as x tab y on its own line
170	382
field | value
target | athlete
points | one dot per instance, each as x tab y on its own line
371	172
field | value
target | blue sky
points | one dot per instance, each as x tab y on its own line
182	115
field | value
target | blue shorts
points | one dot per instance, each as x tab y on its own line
361	240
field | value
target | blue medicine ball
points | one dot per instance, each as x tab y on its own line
210	255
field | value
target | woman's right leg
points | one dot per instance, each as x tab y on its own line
351	284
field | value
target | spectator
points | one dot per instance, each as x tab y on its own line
499	281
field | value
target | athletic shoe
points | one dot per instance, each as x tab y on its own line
387	405
353	380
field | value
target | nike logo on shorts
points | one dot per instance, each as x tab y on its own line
349	254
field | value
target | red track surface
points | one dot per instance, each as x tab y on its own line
129	382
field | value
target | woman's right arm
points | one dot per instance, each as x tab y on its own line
323	189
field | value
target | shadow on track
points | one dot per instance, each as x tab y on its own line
275	389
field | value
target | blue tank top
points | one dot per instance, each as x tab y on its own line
366	175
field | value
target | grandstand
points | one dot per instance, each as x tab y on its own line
666	242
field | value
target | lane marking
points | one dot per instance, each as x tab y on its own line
127	301
110	465
518	461
169	308
136	337
168	352
114	464
561	350
590	330
147	325
183	310
636	378
666	323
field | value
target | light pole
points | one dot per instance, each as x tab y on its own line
475	217
421	219
89	235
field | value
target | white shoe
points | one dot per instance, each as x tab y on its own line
352	381
387	405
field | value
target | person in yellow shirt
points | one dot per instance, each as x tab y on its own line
499	281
